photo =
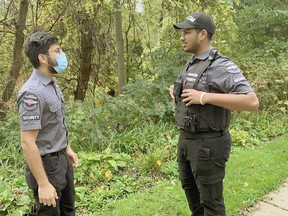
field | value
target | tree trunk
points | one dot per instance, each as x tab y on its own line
119	46
86	58
160	25
17	56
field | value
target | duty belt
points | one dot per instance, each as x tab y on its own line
62	151
202	134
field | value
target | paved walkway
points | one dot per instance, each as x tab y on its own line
274	204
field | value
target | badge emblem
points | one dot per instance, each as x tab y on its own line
232	68
30	101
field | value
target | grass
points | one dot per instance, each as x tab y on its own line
251	173
166	198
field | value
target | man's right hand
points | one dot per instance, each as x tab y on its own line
47	195
46	192
171	89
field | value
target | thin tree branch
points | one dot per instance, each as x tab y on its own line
6	15
66	79
36	12
5	31
60	15
32	13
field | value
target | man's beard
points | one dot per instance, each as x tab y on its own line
50	68
195	48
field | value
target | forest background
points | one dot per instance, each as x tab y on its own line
123	55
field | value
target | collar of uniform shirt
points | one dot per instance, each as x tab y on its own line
204	55
54	82
44	79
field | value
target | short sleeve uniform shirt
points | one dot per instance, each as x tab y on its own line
41	107
224	76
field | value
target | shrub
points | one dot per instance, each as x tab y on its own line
242	138
267	70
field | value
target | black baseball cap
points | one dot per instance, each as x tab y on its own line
199	20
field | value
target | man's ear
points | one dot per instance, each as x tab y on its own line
42	59
203	34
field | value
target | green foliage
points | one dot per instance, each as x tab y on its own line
96	173
261	50
152	97
268	77
251	129
250	174
118	162
100	167
145	137
243	138
164	67
128	143
15	197
10	142
152	162
268	25
111	176
114	120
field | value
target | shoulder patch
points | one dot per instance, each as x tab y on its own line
30	101
239	79
231	67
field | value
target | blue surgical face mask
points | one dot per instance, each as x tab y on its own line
62	63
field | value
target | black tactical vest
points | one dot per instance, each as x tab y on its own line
199	118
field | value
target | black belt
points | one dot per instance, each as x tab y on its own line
62	151
202	134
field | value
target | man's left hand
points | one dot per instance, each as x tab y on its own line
191	96
72	156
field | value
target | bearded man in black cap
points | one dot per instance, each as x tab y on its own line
208	89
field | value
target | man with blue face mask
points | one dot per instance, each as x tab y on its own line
44	134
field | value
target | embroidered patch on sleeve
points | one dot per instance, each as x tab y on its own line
239	79
231	67
30	117
30	102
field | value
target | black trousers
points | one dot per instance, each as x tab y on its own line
201	164
60	174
